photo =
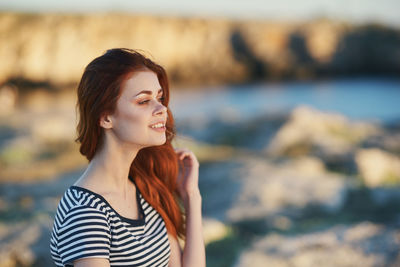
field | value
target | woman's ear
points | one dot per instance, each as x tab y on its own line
105	121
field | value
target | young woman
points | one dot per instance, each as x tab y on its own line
126	208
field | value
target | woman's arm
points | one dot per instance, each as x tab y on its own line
193	252
92	262
175	259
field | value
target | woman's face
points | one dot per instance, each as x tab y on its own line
140	117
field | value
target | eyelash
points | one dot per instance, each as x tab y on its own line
145	101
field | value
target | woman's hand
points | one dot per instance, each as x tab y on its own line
194	254
188	177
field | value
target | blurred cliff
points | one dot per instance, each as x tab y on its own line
54	48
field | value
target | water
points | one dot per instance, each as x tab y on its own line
357	99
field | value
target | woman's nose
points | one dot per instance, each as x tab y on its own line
160	109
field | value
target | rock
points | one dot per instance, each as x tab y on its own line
363	244
308	165
25	236
16	247
53	129
268	190
311	131
366	48
392	143
214	230
322	39
378	167
38	47
389	142
56	47
8	99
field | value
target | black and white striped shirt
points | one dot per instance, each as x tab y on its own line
86	225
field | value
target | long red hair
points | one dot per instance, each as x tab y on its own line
154	169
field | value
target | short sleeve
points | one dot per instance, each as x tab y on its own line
84	233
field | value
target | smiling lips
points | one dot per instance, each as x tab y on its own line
158	126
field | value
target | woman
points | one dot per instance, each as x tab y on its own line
125	208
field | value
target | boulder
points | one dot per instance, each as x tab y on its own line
378	167
363	244
312	131
214	230
270	189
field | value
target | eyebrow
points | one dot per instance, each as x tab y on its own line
148	92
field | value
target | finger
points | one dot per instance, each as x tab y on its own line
193	160
187	154
184	155
184	152
179	153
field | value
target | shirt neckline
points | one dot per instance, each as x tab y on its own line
134	222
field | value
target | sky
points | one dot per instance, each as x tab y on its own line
355	11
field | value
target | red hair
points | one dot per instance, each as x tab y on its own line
154	169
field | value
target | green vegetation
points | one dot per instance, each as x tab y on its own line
15	155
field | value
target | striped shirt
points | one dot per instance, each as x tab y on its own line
86	226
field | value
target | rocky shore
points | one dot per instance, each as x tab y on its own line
308	188
53	49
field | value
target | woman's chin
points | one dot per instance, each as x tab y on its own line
160	142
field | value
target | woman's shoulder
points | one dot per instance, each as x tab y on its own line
78	201
81	228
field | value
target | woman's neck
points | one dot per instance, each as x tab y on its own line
109	168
